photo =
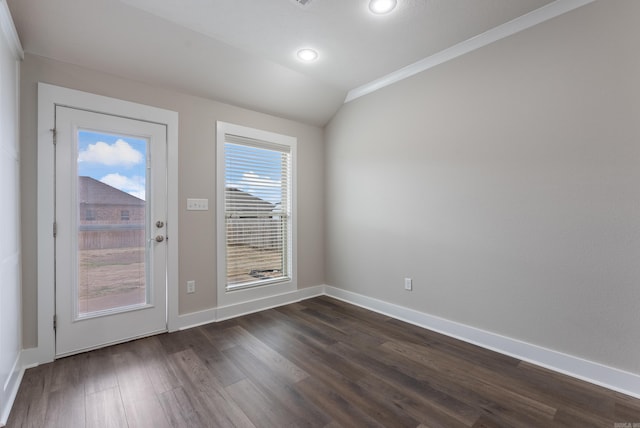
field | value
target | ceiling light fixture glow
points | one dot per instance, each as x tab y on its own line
307	55
380	7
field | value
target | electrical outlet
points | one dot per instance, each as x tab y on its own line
408	284
191	287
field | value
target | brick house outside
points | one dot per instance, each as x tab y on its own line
108	217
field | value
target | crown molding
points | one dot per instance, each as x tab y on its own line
507	29
9	30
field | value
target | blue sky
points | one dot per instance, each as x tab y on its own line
117	160
261	174
120	161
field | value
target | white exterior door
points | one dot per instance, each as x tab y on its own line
110	214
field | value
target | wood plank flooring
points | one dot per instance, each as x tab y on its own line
318	363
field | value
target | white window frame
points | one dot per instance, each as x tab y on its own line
232	297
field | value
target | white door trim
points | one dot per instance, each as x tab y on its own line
48	97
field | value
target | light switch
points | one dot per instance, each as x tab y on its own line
197	204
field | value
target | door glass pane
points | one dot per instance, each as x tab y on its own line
112	223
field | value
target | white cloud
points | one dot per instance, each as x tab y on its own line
132	185
261	186
253	178
119	153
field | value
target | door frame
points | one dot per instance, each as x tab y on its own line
48	97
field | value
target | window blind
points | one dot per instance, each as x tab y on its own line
257	212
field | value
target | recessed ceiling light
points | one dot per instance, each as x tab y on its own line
380	7
307	55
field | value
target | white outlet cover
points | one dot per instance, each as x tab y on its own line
408	284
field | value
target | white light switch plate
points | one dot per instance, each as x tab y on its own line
197	204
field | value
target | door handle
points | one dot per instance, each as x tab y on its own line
159	238
159	224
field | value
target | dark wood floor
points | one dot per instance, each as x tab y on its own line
318	363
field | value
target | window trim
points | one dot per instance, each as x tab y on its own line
234	296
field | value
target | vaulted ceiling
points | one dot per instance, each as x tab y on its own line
243	51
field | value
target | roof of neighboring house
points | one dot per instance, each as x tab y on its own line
94	192
238	200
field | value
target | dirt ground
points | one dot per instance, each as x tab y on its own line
115	277
111	278
263	264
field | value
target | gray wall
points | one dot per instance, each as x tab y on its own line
197	126
506	183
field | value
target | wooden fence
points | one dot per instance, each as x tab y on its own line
259	232
103	236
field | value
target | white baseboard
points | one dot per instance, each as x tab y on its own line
195	319
598	374
10	389
32	357
222	313
245	308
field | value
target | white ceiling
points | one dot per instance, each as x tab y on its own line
243	51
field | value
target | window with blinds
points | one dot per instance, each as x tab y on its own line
257	212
